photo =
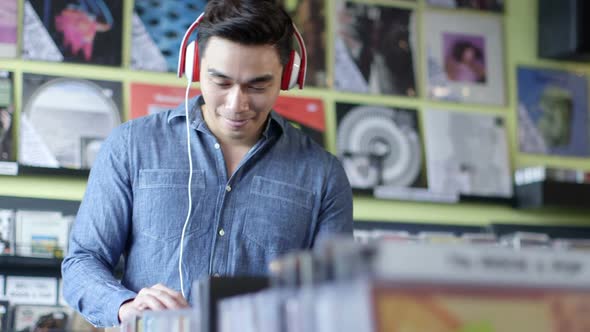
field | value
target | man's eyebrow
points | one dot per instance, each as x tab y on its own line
259	79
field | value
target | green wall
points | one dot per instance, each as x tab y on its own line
519	48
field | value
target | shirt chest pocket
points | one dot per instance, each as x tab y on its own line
161	203
279	215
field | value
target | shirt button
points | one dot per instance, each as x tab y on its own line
221	232
227	188
216	146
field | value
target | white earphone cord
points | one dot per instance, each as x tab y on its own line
190	178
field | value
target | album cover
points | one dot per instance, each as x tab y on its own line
41	233
8	28
445	308
309	18
7	218
467	153
306	114
4	307
81	31
380	147
158	29
40	318
374	49
6	117
31	290
465	58
553	112
64	120
486	5
147	99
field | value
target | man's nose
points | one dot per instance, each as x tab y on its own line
237	100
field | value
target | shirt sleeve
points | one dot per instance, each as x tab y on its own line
336	208
99	235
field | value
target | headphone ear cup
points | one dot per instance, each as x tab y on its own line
191	63
288	72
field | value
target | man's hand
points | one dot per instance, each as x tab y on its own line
158	297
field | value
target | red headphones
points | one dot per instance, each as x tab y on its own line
293	73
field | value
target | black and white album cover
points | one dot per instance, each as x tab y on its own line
380	148
6	117
65	119
81	31
374	49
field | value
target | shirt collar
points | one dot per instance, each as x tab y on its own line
274	127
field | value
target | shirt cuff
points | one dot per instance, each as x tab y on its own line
113	303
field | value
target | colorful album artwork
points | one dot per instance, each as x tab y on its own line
553	112
8	28
465	61
380	147
309	17
306	114
486	5
467	154
158	29
479	309
81	31
374	49
64	120
6	117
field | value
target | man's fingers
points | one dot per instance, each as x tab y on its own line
177	296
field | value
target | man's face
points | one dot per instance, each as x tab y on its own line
240	84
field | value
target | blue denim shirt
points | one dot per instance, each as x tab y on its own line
286	194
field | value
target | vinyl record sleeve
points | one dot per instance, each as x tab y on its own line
41	233
465	58
7	218
64	120
147	99
8	28
6	117
40	318
31	290
553	112
467	153
4	306
374	49
81	31
379	146
157	31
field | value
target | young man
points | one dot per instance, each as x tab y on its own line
260	188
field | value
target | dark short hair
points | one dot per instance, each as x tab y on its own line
248	22
461	46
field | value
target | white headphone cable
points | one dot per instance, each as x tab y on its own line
190	178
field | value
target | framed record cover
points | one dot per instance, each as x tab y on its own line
7	218
374	49
6	118
467	154
64	120
485	5
309	17
4	306
81	31
40	318
8	28
465	58
553	112
158	29
380	148
306	114
148	99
